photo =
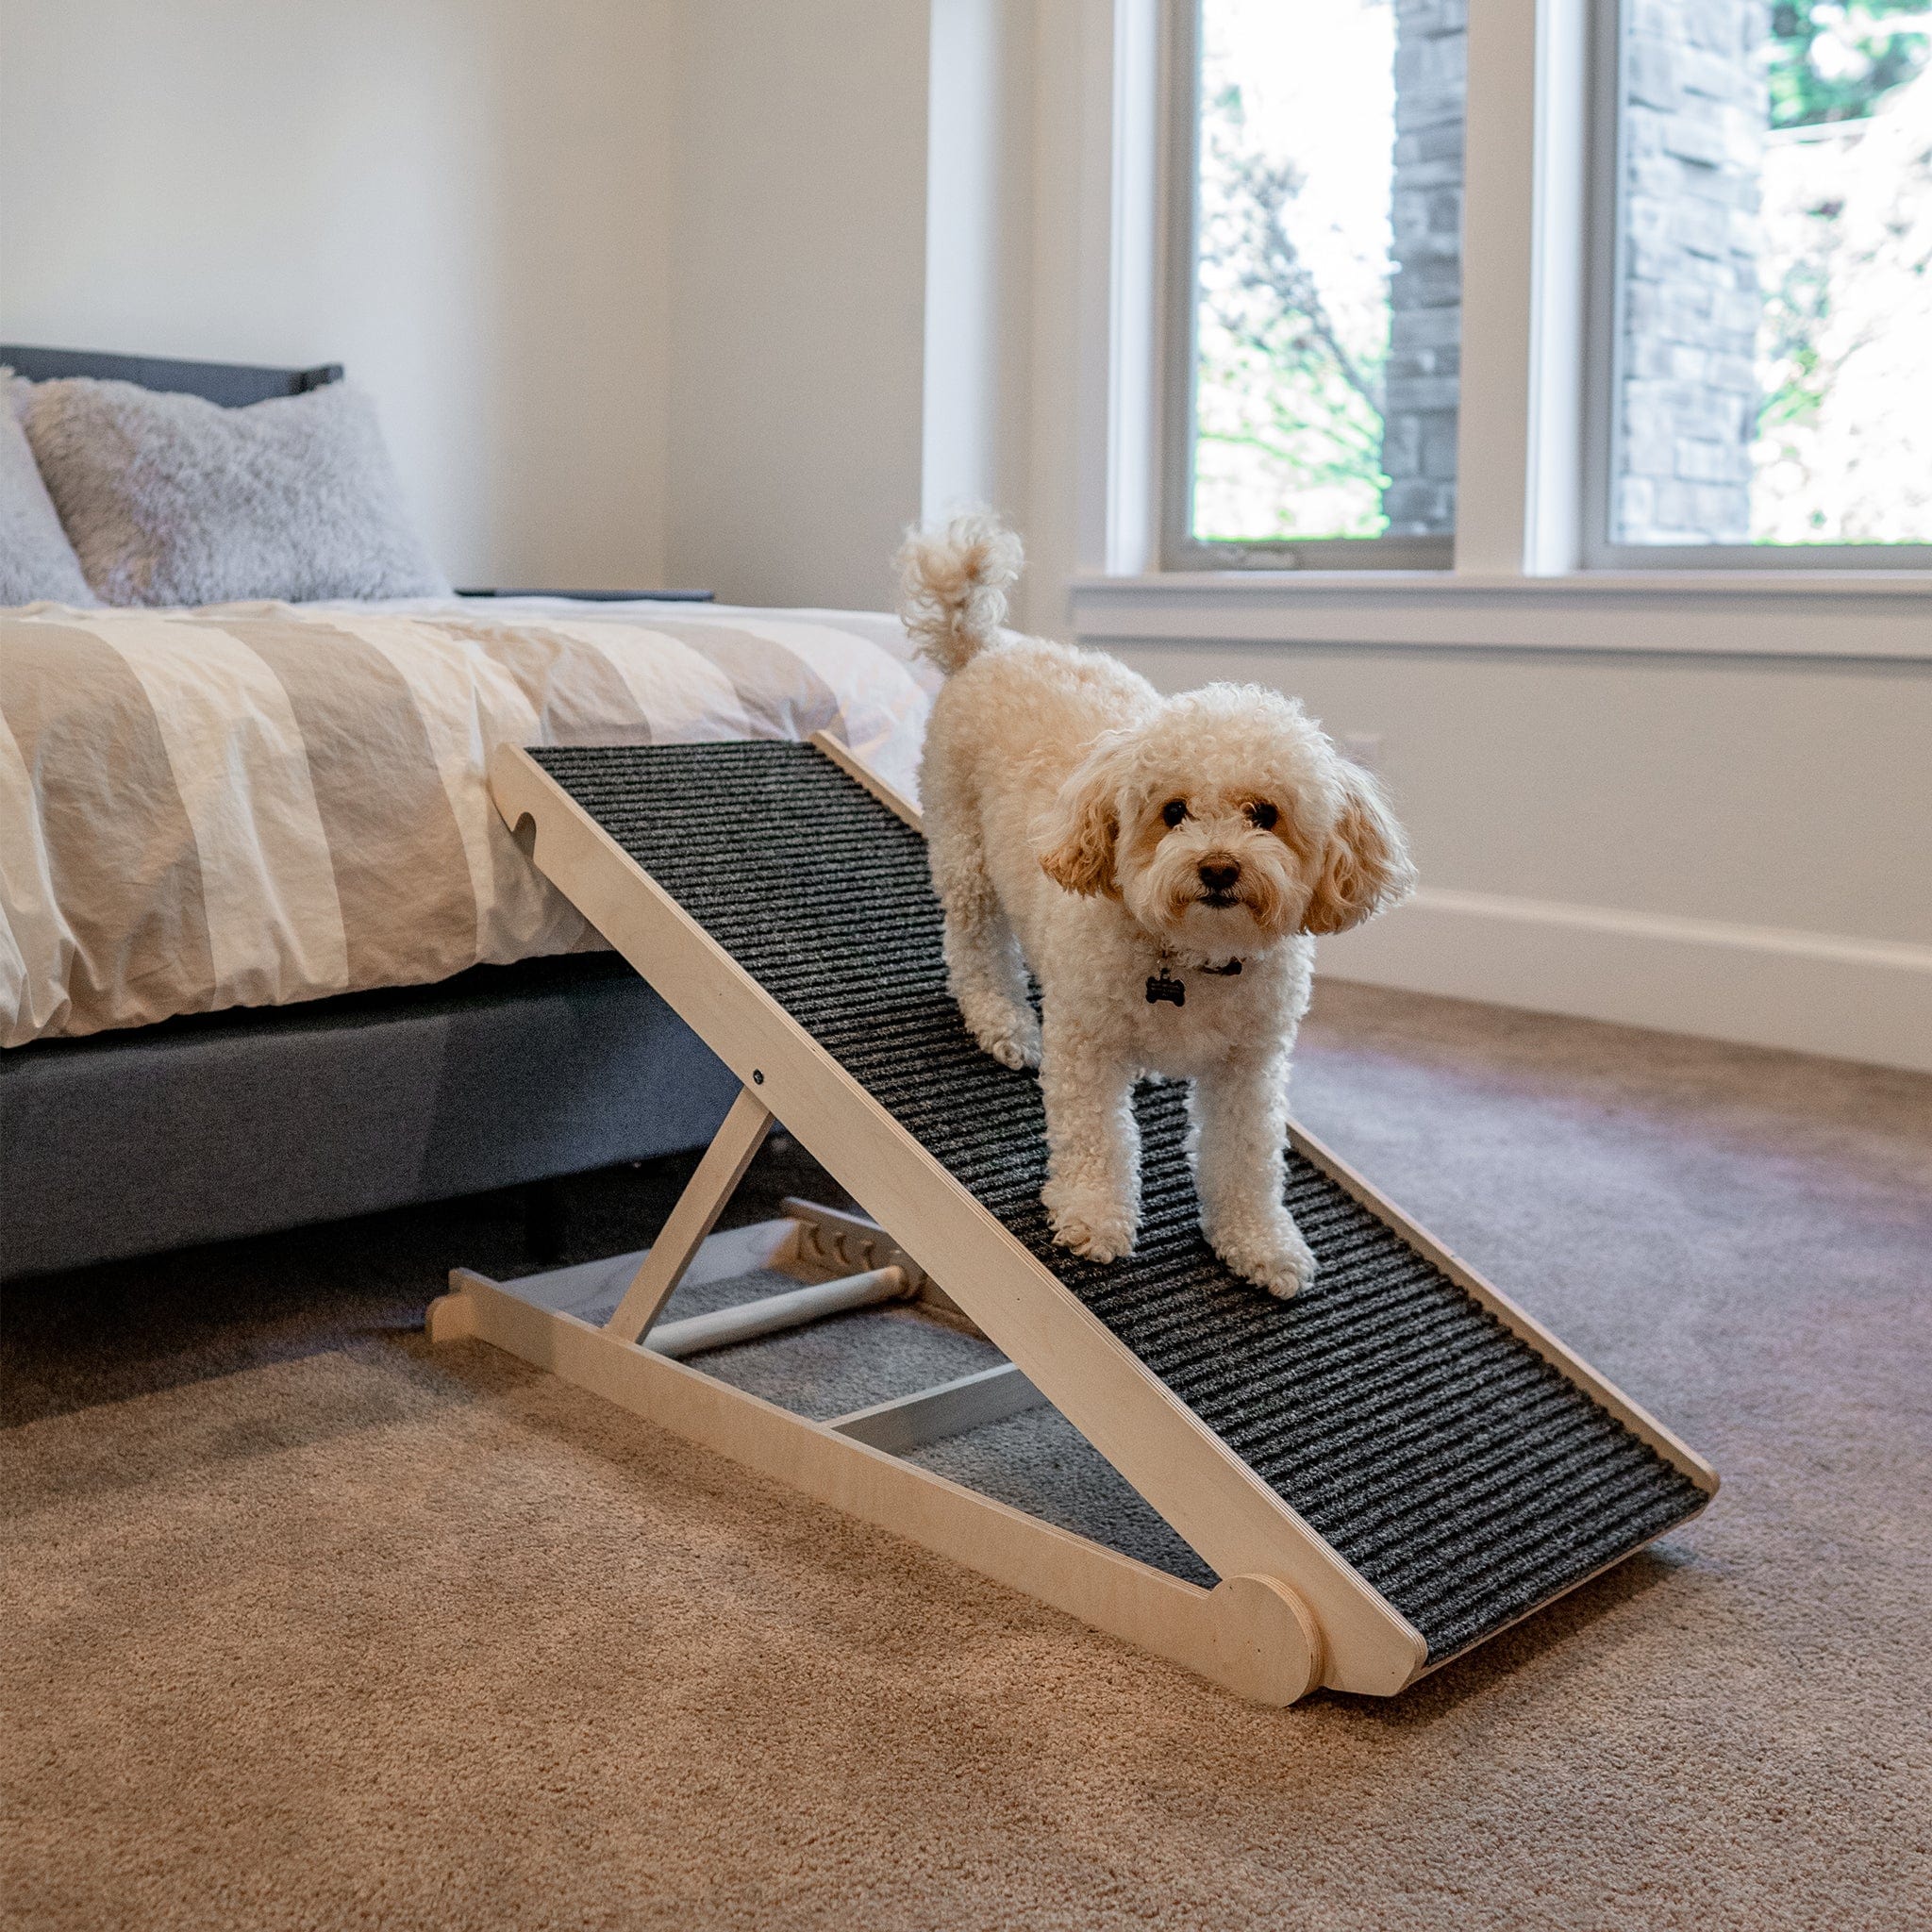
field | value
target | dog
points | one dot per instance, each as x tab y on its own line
1162	866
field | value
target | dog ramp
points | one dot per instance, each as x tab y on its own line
1382	1471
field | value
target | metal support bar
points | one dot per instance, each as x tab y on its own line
696	1213
722	1328
911	1421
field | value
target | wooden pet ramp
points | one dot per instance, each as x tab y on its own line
1380	1473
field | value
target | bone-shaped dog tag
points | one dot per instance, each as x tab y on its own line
1162	987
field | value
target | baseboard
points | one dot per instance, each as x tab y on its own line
1766	986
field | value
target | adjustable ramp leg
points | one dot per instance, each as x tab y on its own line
698	1207
665	1263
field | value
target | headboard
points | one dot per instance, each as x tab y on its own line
231	384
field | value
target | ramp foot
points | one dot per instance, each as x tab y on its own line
451	1317
1263	1643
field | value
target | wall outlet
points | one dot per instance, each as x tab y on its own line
1363	748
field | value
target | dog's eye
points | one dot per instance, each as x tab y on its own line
1173	812
1262	815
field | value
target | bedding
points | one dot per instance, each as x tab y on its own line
256	804
172	499
36	559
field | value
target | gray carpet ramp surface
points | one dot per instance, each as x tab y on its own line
1462	1476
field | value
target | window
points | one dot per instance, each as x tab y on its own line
1768	381
1312	409
1746	382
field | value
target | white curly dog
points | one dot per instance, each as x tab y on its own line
1160	864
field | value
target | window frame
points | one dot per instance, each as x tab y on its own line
1603	361
1180	549
1539	362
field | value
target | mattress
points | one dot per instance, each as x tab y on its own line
257	804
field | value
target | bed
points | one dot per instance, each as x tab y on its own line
267	956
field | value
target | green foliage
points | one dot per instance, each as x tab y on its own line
1280	395
1836	59
1843	448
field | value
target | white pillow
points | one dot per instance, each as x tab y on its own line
172	499
36	559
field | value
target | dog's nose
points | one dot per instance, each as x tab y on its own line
1218	874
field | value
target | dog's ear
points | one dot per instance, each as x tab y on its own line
1077	844
1365	864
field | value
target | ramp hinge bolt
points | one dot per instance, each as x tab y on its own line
758	1079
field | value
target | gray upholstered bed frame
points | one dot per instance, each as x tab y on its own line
233	385
228	1123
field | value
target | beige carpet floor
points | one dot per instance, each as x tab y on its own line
310	1626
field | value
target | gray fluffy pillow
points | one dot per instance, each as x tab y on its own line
36	559
172	499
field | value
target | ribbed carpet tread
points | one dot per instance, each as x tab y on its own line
1459	1473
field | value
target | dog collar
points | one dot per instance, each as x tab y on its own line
1164	985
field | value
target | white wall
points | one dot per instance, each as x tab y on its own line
464	201
977	376
638	284
1691	788
1072	54
1720	845
797	298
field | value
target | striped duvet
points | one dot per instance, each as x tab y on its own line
257	804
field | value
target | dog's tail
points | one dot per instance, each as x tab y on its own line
953	585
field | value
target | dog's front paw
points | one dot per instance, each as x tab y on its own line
1102	1243
1279	1260
1010	1051
1097	1231
1010	1035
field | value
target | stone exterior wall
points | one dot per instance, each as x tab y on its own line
1694	118
1694	121
1425	327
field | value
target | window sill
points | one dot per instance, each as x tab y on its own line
1831	614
